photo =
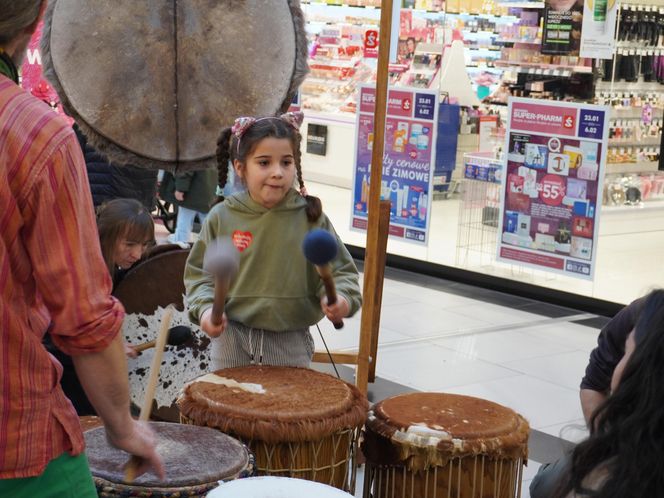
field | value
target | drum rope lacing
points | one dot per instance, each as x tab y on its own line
251	348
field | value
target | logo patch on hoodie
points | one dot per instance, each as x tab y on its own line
242	240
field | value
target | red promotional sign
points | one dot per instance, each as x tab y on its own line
552	190
371	43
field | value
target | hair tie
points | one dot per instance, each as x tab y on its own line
303	192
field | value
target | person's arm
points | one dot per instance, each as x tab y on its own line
346	281
72	281
110	397
199	284
183	181
610	349
590	401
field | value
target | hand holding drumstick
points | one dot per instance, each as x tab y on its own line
222	260
320	248
138	462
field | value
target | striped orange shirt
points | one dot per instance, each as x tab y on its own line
52	276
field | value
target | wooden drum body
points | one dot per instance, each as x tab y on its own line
297	422
195	460
426	445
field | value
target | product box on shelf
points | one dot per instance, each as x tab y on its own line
482	166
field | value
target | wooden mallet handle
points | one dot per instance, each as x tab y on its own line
220	290
144	346
133	463
222	261
330	290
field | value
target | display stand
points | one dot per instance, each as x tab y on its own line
454	78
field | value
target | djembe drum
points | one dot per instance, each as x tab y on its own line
298	422
275	487
423	445
195	460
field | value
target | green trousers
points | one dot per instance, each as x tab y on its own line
64	477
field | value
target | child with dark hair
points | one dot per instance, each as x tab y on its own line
277	294
622	458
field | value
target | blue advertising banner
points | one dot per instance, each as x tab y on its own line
408	160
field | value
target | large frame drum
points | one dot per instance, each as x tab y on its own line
426	445
297	422
152	82
195	460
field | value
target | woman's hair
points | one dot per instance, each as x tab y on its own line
628	434
122	219
16	15
273	127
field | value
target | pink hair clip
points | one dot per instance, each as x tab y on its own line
242	124
293	118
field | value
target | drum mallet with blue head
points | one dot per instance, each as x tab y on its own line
320	247
222	260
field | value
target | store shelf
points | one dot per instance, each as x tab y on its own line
627	168
522	5
516	40
325	4
646	142
643	206
539	68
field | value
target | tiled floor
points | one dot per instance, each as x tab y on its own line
435	337
443	336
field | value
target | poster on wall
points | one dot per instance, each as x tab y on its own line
561	34
556	155
408	160
599	28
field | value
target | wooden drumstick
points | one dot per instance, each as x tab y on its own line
222	260
134	461
320	247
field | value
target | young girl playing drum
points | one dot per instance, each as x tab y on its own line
277	294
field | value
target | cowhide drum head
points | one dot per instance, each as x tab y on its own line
153	82
145	291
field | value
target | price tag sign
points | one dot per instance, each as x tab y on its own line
591	124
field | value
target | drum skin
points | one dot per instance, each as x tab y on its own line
436	444
298	422
195	458
152	83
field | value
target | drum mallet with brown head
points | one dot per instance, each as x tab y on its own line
177	336
222	260
320	247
